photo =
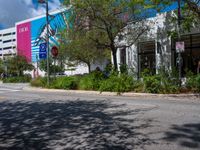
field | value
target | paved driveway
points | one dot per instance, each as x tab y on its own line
35	120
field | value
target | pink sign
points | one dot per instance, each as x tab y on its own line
180	46
24	40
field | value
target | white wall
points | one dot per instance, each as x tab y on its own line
158	27
7	48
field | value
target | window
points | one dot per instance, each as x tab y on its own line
6	34
7	41
13	33
191	55
123	56
5	48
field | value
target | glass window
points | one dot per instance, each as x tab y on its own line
7	48
191	55
7	41
123	56
147	56
6	34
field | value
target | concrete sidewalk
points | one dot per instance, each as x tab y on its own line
127	94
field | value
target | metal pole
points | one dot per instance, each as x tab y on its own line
54	67
37	66
179	38
47	40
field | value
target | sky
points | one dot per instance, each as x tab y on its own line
12	11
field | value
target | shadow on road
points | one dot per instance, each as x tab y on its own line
71	125
187	135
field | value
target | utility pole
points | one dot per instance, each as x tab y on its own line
179	38
47	40
47	36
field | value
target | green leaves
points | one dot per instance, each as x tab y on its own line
17	64
100	22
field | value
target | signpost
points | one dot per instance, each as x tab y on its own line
43	51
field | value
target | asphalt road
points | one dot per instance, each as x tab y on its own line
47	120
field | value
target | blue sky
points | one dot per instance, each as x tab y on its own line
17	10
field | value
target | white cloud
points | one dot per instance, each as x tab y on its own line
12	11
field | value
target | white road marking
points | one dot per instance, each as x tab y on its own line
3	90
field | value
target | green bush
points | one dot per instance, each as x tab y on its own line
117	83
65	83
169	82
163	82
152	84
193	83
91	81
17	79
39	82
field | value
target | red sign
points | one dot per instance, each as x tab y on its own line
54	51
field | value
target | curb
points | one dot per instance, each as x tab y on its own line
127	94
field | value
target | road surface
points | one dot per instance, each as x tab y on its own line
51	120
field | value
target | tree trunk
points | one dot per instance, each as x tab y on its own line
114	55
89	67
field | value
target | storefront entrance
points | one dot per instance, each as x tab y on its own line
146	53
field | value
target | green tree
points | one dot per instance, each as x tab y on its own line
53	68
190	16
81	49
17	65
109	22
1	66
194	6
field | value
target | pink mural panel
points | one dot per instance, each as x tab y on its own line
24	40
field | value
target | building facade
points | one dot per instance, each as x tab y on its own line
31	33
7	42
156	49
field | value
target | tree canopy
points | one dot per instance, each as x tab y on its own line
17	65
81	49
108	22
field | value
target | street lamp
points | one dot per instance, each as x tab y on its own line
47	35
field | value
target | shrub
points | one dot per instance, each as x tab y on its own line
39	82
193	83
163	82
91	81
17	79
169	81
152	84
117	83
65	83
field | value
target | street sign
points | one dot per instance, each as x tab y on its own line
42	55
180	47
43	47
54	51
43	51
